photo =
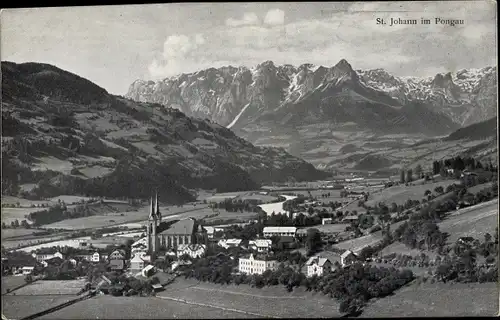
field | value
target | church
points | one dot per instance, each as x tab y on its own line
166	235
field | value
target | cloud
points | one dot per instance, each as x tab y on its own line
350	34
275	17
249	18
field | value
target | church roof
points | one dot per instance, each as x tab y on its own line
182	227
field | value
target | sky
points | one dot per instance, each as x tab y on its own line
115	45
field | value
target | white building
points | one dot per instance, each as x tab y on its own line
347	258
210	231
279	231
137	263
260	245
46	256
28	270
318	266
229	243
96	257
193	250
256	266
140	245
326	221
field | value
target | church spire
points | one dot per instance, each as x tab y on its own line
152	214
158	213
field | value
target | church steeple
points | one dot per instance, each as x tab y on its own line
152	214
158	213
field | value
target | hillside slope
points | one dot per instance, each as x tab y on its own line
70	136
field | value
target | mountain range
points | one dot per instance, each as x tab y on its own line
63	134
315	111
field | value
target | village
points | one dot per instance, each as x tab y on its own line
298	235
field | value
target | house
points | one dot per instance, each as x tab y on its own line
179	263
137	263
279	231
72	261
326	221
56	261
27	270
350	218
450	171
193	250
210	231
96	257
148	271
229	243
116	265
260	245
465	240
118	254
43	255
140	245
251	265
347	258
318	266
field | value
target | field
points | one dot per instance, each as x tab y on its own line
369	240
400	194
25	241
474	221
51	287
330	228
9	215
18	307
19	232
117	218
109	307
265	302
438	300
70	243
10	282
400	248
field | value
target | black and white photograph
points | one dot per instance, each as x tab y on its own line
250	160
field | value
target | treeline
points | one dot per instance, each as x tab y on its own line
235	206
460	164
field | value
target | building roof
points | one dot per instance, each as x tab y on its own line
258	257
192	247
347	253
280	229
28	268
261	243
147	268
320	261
350	218
209	229
182	227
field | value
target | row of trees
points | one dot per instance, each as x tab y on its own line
460	164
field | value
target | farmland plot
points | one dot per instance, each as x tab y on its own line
10	282
51	287
400	194
18	307
268	301
438	300
19	232
109	307
473	221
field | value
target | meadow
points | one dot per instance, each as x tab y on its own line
109	307
18	307
438	300
400	194
473	221
11	282
18	232
272	301
51	287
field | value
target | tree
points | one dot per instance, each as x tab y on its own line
402	176
487	238
409	175
427	193
313	241
439	190
418	171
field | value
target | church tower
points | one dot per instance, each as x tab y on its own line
152	229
